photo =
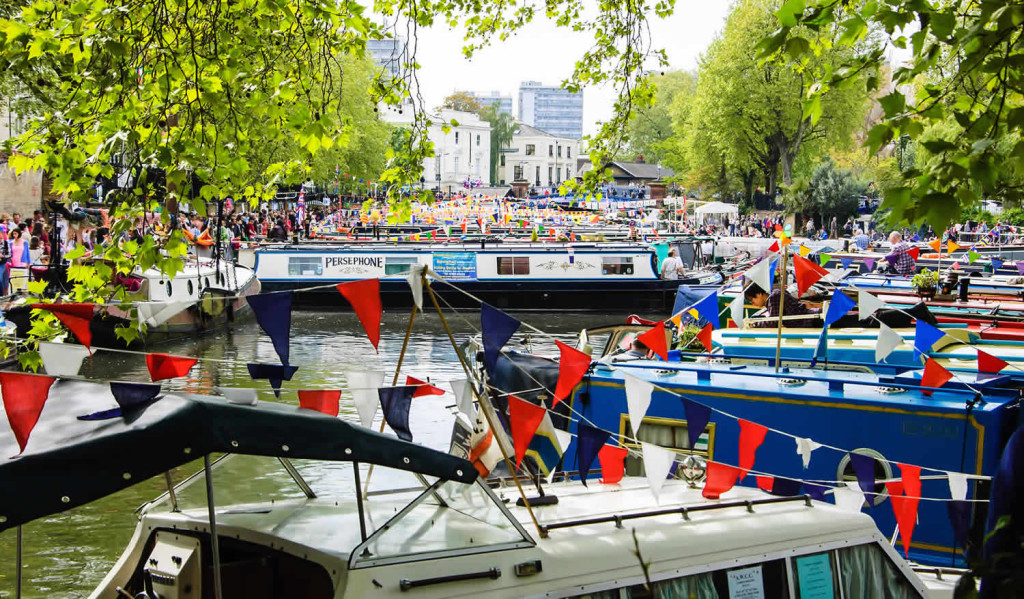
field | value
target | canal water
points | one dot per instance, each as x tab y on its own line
67	555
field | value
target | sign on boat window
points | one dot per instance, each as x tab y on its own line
617	265
398	265
302	266
513	265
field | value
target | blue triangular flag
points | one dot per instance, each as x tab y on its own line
864	467
821	350
838	307
395	402
925	336
960	519
786	487
496	328
817	492
130	398
275	373
274	313
997	263
846	262
589	441
771	279
707	309
697	418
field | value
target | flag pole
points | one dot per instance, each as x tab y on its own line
782	305
490	422
17	567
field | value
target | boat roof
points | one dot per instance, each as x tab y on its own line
69	462
489	246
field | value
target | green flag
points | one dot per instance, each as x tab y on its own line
824	258
972	256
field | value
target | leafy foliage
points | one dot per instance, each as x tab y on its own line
829	192
463	101
503	127
652	131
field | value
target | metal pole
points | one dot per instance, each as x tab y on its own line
297	477
359	502
170	491
17	566
490	422
214	543
782	305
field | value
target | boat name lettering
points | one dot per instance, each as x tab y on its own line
929	429
374	261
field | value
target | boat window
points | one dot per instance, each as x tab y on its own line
300	266
617	265
398	265
867	572
666	432
698	586
170	289
766	580
513	265
883	471
425	526
191	288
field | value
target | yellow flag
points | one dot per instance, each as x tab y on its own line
951	246
677	320
804	250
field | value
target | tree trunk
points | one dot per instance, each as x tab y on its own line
787	167
748	185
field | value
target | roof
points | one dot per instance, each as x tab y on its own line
643	170
69	462
530	130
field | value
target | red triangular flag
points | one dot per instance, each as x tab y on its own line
321	401
164	366
572	365
613	463
365	299
24	396
705	337
76	317
914	252
934	375
990	364
774	247
751	437
765	483
807	273
523	418
655	339
720	478
422	387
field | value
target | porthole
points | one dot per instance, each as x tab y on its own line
883	471
191	288
170	289
207	282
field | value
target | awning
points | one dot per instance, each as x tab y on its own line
70	462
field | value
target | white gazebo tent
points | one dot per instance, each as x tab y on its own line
712	210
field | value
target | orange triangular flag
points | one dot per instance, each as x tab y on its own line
807	273
936	244
934	375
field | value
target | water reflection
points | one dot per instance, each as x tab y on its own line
66	555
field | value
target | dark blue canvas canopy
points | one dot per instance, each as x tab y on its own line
69	462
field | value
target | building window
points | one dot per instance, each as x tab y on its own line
617	265
501	160
669	433
518	174
302	266
550	173
513	265
551	150
567	175
531	149
456	138
537	178
568	152
559	151
455	165
478	140
398	265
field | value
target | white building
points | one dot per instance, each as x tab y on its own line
463	154
543	159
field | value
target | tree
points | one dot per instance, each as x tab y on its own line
965	70
651	131
462	101
829	192
751	111
503	127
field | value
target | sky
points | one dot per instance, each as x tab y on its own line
545	53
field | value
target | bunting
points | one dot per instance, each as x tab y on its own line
463	396
76	317
697	418
867	304
363	385
706	309
274	373
804	448
864	468
951	246
987	363
914	252
704	335
657	465
905	495
936	244
824	259
751	437
972	256
61	359
638	400
589	441
613	463
838	307
131	399
925	336
365	299
395	403
273	312
736	311
720	479
957	485
524	418
164	366
760	274
24	396
655	339
807	273
320	401
496	328
934	375
846	262
960	520
1020	267
572	365
888	341
849	499
422	387
996	263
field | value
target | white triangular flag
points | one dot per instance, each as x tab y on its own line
804	447
61	359
415	279
867	304
154	314
657	464
736	311
564	439
849	498
638	399
957	485
239	395
761	274
363	384
463	397
888	340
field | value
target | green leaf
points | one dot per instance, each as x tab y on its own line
797	47
789	12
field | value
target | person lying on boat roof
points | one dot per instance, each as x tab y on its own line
793	307
899	259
